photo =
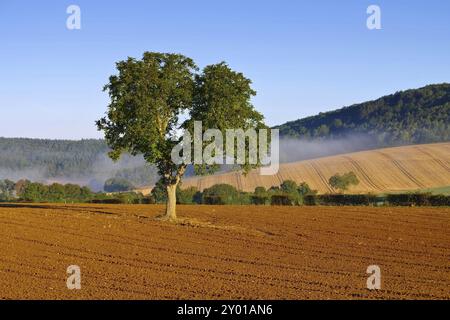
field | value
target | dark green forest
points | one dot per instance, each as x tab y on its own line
406	117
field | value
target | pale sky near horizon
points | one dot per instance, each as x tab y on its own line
304	57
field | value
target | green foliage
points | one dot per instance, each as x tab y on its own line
245	198
407	117
289	186
122	198
221	194
310	200
439	200
190	195
38	192
346	199
159	192
149	95
222	101
343	182
260	191
290	192
260	196
304	189
290	189
7	190
282	200
417	199
35	192
118	185
56	192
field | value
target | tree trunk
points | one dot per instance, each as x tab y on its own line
171	213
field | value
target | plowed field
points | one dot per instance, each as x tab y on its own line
225	252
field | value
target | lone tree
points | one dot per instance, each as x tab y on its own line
343	182
149	95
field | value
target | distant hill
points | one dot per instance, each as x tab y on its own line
406	117
406	168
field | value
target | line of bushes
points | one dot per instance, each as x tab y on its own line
417	199
287	194
27	191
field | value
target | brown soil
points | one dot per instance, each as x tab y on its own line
223	252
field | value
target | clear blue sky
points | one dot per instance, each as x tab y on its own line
304	57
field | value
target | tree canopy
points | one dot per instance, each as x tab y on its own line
344	181
149	95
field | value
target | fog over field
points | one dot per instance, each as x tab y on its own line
292	150
101	169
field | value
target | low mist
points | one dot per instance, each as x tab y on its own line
292	150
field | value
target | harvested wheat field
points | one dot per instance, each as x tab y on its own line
223	252
382	170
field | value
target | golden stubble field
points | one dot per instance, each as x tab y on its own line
382	170
225	252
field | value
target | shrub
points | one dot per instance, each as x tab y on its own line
439	200
159	193
417	199
409	199
420	199
259	200
187	196
106	201
304	189
35	192
289	186
290	189
401	199
310	199
282	200
347	199
343	182
245	198
213	200
260	196
221	194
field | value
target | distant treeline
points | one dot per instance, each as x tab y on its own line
86	160
27	191
287	194
407	117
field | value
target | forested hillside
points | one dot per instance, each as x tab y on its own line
407	117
